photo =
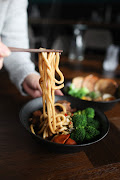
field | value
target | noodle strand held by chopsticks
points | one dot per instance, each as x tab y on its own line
51	122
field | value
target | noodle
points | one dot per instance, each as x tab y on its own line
32	129
50	121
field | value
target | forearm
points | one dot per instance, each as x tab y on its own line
15	34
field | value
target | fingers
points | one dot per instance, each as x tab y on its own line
32	87
32	92
4	51
1	62
59	92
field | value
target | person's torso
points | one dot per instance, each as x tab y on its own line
3	12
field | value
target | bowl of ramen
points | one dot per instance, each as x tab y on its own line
84	126
61	123
102	93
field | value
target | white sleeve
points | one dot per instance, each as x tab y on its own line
15	34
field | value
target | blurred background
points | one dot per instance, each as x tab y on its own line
81	28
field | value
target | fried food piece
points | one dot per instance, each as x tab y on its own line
106	86
67	106
36	116
98	99
37	113
89	82
77	81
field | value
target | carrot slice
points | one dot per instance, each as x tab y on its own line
70	141
61	139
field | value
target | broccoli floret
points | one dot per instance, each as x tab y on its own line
94	94
78	112
79	120
72	90
72	87
85	126
76	92
93	122
78	134
72	135
91	133
82	92
89	112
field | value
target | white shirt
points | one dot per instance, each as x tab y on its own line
14	33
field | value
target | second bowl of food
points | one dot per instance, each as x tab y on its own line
102	93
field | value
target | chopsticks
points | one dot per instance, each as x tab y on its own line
14	49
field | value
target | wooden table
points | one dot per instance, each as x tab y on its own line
22	158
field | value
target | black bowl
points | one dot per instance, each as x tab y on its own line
36	104
101	105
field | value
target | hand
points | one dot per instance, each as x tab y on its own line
32	87
58	92
4	52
